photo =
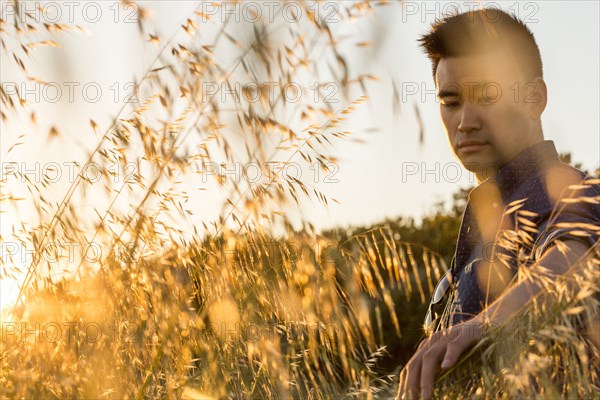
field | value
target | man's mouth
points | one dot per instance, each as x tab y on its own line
471	146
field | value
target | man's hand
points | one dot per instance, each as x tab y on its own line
439	352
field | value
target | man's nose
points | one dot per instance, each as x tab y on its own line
469	119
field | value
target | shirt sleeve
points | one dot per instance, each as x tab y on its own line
578	219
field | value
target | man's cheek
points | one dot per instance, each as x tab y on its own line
451	124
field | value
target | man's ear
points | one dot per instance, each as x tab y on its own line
539	98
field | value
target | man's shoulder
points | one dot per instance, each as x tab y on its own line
561	180
575	199
565	168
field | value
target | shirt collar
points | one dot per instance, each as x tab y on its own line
530	162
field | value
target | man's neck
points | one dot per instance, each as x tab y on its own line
492	171
489	172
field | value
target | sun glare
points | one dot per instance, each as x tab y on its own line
12	264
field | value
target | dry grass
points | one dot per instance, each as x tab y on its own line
251	305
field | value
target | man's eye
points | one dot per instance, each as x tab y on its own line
450	104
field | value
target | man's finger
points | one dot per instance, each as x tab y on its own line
412	377
409	368
404	380
430	368
452	355
401	384
456	347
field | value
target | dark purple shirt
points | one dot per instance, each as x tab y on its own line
487	254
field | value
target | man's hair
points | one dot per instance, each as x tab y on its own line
481	31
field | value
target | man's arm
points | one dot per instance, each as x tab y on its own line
443	349
513	299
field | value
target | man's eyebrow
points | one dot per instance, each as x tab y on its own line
447	93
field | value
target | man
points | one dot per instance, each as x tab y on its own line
488	74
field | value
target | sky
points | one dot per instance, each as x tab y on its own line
390	173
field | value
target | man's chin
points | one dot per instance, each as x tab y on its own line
472	164
482	170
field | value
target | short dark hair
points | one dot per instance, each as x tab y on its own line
480	31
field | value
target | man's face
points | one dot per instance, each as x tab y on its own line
488	110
